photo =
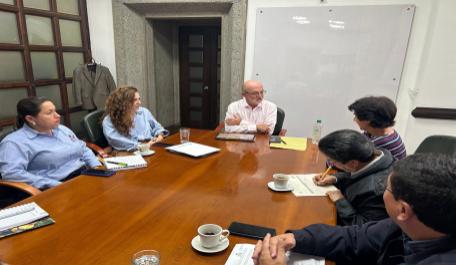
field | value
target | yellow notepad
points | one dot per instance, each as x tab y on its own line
292	143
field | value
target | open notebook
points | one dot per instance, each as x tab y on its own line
193	149
124	162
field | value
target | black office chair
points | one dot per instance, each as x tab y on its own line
94	133
280	118
441	144
5	132
12	192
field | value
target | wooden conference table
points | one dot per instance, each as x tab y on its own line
106	220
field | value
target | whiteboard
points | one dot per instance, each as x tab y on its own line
315	61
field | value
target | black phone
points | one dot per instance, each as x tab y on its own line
161	144
251	231
98	172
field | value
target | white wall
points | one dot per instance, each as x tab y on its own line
429	65
436	81
428	80
101	30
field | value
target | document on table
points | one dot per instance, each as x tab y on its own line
292	143
193	149
303	185
242	255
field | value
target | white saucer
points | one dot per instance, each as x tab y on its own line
273	187
146	153
196	244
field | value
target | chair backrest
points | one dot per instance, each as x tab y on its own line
441	144
5	132
93	128
279	123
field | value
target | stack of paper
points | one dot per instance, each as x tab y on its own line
193	149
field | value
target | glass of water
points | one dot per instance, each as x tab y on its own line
184	135
146	257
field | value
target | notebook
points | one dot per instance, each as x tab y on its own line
27	227
292	143
124	162
193	149
236	137
303	185
20	215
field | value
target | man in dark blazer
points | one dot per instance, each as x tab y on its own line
92	87
421	230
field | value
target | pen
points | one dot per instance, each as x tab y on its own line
326	172
283	141
118	163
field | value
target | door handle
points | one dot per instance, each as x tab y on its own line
205	88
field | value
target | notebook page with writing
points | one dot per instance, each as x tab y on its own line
193	149
124	162
303	185
242	255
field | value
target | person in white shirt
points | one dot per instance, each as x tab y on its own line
251	114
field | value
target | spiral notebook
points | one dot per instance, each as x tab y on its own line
124	162
20	215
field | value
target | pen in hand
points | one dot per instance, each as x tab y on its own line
319	179
283	141
118	163
326	172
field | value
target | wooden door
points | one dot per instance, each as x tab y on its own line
199	59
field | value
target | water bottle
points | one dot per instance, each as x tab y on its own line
316	132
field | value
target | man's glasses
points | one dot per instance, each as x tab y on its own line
261	93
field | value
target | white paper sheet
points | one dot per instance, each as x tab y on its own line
303	185
242	255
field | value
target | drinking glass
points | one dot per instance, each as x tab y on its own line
146	257
184	135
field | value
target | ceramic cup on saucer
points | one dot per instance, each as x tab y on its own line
144	149
212	235
280	180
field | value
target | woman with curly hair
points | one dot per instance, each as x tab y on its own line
126	124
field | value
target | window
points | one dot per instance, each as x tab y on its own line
41	43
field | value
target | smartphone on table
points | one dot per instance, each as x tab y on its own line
250	231
98	172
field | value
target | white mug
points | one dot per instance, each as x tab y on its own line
212	235
280	180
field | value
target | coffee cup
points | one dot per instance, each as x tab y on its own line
144	148
280	180
212	235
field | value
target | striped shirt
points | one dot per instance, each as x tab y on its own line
392	143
